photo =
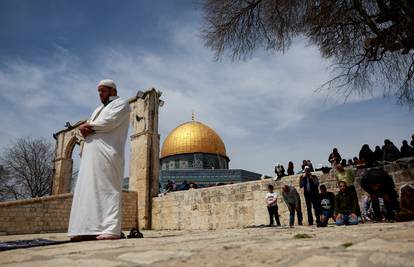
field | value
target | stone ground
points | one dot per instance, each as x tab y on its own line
364	245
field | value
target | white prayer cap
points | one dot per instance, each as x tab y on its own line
108	83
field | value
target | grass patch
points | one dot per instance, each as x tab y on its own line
347	244
301	236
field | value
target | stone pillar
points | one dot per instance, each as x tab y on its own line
144	159
61	176
62	164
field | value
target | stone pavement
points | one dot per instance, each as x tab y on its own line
364	245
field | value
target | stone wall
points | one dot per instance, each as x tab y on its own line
51	214
243	204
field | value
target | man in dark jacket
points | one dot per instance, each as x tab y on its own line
310	183
379	184
345	206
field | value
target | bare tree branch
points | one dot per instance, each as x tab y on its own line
371	42
28	168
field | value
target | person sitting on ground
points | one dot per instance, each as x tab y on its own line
334	157
407	203
327	205
406	150
379	184
348	176
272	208
290	170
292	199
310	183
343	162
346	206
280	171
389	151
368	211
350	162
378	153
367	155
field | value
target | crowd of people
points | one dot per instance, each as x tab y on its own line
382	200
172	186
369	158
381	203
366	158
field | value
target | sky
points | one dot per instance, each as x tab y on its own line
265	108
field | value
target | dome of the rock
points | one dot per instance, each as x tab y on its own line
193	153
193	137
193	145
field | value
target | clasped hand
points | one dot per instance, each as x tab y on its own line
85	129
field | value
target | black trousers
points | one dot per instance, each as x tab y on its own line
273	212
313	200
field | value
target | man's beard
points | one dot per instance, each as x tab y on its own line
105	101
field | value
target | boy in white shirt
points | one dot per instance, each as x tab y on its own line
271	201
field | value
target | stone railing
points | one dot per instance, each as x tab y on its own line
243	204
51	214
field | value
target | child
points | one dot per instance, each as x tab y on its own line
271	201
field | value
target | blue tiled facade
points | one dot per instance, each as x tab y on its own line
200	168
194	161
207	177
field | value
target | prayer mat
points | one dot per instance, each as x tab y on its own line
29	243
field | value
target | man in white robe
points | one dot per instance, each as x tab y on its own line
96	208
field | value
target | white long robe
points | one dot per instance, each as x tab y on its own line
96	207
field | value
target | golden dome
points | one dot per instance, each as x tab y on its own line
193	137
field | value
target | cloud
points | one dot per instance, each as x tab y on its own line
262	107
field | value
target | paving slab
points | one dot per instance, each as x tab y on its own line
362	245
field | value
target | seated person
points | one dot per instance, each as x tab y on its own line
379	184
368	211
406	150
348	176
389	151
334	158
280	171
327	205
407	203
346	206
367	155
